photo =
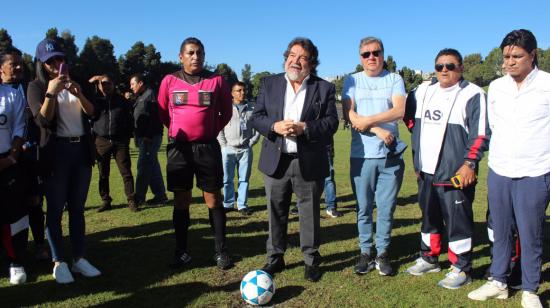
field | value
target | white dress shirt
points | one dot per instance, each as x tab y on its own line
294	103
520	124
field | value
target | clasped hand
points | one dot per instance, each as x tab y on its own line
289	128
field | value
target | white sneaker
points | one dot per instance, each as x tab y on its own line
422	267
455	279
84	267
17	275
530	300
62	274
488	290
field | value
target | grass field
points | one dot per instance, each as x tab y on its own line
133	249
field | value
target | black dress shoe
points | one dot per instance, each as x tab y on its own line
276	266
312	273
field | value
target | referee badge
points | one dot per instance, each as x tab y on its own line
205	98
180	97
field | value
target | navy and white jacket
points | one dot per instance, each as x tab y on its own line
466	133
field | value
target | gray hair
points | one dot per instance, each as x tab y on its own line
371	39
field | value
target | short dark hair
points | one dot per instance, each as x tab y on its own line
308	46
449	52
138	76
191	40
9	51
238	83
521	38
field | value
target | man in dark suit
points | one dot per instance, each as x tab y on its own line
295	113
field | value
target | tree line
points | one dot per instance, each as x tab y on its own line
97	57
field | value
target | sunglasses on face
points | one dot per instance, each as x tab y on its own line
449	66
105	83
367	54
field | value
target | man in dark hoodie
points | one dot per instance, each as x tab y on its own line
113	129
148	137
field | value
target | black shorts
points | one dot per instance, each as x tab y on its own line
188	159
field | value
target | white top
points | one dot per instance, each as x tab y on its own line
520	124
294	103
12	116
432	124
69	115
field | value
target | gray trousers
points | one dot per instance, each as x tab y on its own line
279	188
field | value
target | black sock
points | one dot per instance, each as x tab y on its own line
36	222
217	222
180	217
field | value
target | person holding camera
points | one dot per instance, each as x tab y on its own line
113	129
67	154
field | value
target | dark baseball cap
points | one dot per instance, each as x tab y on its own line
48	48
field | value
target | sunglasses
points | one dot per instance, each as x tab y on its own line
105	83
449	66
367	54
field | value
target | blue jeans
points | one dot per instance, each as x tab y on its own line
376	179
242	160
330	186
148	169
68	185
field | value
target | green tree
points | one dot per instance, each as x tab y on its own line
5	40
98	57
339	85
246	74
145	60
493	61
256	79
358	68
227	73
410	78
391	65
470	61
544	59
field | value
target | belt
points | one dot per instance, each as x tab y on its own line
76	139
289	155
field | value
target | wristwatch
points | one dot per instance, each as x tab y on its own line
49	95
470	164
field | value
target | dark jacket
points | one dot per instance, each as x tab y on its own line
319	114
36	93
465	133
113	118
146	119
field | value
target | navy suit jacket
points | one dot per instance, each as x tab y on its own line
319	114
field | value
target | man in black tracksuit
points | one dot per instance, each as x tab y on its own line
113	129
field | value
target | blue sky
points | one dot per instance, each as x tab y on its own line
257	32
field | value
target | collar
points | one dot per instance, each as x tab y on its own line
302	85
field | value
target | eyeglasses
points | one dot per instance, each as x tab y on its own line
367	54
105	83
450	66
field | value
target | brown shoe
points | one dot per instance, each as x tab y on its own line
132	205
105	206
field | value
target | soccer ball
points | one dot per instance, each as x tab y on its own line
257	288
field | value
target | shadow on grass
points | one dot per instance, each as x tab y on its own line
286	293
170	296
401	201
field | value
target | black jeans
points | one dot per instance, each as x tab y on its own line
121	151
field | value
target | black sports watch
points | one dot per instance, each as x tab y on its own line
471	164
49	95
